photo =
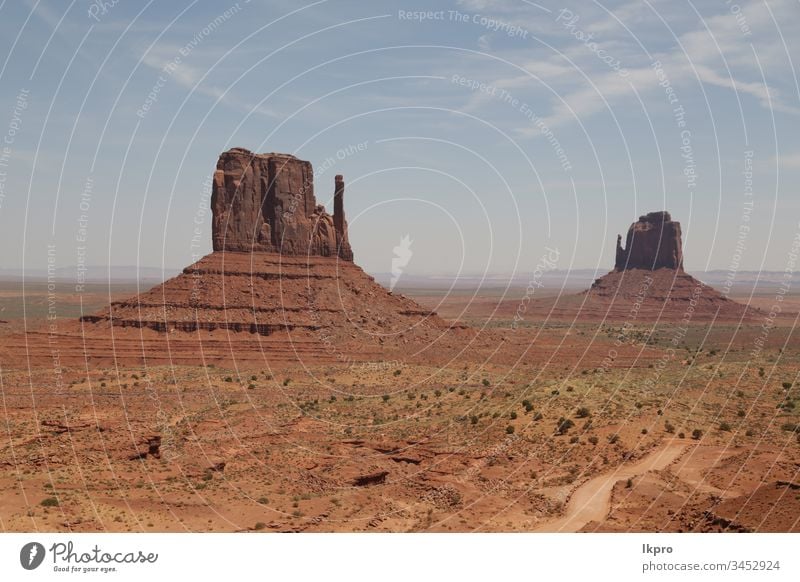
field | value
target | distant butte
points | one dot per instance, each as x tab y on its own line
648	282
654	242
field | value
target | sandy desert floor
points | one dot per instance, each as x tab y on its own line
557	426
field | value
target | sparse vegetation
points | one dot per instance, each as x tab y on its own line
563	425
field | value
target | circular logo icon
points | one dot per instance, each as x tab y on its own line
31	555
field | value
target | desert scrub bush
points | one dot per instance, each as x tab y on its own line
485	382
286	381
644	431
724	426
513	415
574	439
510	429
594	440
538	416
613	438
669	427
582	412
697	434
49	502
228	379
787	385
563	425
259	525
385	397
473	419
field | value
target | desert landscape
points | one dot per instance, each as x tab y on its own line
275	386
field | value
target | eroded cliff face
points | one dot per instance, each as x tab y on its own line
653	242
266	202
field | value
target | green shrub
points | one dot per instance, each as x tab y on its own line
50	502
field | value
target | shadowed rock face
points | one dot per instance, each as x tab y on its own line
653	242
265	202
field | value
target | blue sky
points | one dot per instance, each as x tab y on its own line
487	131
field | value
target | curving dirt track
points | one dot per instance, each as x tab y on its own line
591	501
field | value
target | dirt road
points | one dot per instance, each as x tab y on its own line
592	500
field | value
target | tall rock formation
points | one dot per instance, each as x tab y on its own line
266	202
281	267
648	283
654	242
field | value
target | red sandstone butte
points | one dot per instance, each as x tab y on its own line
653	242
265	202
